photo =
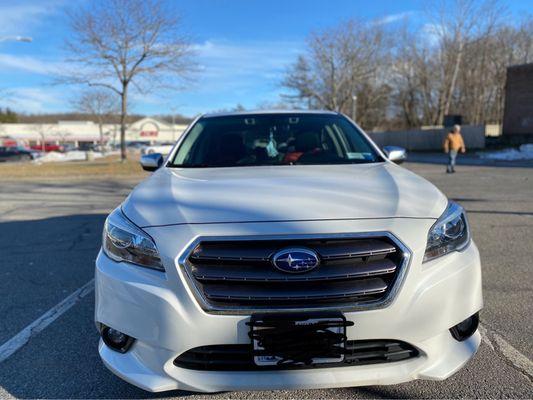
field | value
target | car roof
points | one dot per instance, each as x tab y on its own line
267	112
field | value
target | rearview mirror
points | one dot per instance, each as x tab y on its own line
395	154
151	162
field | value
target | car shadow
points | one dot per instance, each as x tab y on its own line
494	212
468	159
43	261
62	362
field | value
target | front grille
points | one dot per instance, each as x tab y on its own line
239	357
238	275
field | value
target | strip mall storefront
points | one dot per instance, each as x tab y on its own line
80	133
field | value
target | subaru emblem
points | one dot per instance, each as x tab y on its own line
295	260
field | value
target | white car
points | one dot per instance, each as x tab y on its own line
284	250
161	148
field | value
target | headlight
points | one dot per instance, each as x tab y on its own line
124	241
449	233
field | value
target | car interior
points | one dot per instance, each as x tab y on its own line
284	141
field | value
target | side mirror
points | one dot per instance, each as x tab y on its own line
151	162
395	154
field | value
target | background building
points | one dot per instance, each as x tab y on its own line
518	111
78	133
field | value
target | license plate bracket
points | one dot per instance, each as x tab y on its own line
294	339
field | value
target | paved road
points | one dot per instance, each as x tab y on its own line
49	238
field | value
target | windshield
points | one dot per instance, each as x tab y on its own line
273	139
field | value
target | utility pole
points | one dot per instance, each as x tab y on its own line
173	116
354	105
173	110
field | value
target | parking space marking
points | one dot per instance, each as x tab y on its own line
20	339
497	343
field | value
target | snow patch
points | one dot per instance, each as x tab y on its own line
524	152
75	155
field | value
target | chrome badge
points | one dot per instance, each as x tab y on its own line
295	260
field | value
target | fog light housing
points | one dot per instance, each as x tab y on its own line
115	339
464	329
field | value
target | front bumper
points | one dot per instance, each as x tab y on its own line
160	312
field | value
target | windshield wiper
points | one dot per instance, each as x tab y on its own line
199	165
189	166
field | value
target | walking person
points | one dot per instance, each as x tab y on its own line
452	145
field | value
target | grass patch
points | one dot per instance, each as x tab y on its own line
104	167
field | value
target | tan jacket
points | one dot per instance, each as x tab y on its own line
454	141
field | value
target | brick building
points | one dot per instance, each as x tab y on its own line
518	111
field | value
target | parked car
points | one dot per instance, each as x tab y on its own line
137	145
285	250
16	154
86	146
69	147
162	148
35	154
48	147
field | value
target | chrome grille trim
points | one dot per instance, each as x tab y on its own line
186	270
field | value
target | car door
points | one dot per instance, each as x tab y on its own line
3	154
17	154
12	154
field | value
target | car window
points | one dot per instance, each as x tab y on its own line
273	139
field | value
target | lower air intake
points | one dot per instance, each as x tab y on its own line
239	357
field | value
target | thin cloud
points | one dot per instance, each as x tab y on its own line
238	69
34	99
228	66
238	72
16	19
30	64
392	18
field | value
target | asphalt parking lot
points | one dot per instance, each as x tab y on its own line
50	235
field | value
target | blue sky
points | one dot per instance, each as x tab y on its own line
242	47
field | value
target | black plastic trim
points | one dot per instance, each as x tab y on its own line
239	357
200	271
462	336
112	346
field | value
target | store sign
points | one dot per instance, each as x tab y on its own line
149	133
8	142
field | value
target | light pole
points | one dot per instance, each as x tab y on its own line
173	110
26	39
354	105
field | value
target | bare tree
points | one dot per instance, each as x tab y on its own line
117	43
411	75
456	26
43	130
482	82
461	65
340	63
99	103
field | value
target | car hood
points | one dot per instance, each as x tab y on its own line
282	193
